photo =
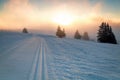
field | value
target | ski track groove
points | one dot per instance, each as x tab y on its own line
39	68
45	63
33	70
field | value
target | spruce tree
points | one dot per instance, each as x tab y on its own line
64	34
77	35
85	36
105	34
60	33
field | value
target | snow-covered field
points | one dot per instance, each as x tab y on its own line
42	57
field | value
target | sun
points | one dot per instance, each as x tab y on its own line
63	18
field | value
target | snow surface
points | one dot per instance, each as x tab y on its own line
42	57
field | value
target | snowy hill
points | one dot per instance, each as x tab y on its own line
41	57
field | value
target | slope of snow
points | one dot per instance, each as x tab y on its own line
41	57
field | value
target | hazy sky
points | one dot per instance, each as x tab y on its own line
45	15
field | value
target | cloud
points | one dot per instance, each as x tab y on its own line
18	13
22	13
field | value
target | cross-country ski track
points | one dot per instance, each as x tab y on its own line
42	57
17	57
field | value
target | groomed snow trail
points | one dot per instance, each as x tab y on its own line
42	57
24	60
39	69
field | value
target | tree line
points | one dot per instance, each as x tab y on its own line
104	35
61	34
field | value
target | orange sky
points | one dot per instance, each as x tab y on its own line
72	15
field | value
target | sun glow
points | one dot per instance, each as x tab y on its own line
63	18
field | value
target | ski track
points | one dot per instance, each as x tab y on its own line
49	58
38	69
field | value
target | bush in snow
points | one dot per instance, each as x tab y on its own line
25	30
